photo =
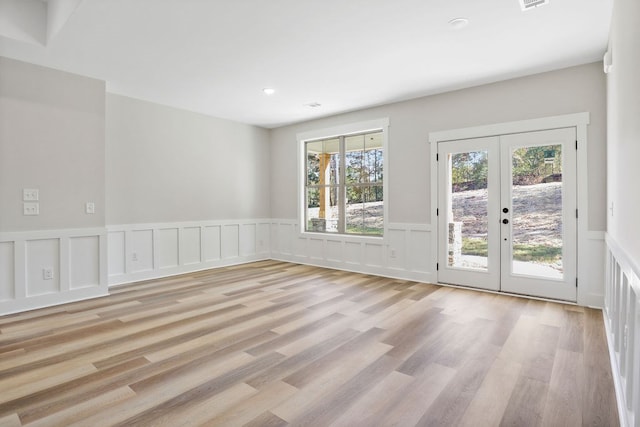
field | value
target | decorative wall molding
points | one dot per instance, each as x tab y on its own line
149	251
622	323
591	270
76	258
404	253
87	261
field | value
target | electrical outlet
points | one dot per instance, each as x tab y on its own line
134	257
393	253
90	208
47	273
31	208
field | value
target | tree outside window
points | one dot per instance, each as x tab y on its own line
344	184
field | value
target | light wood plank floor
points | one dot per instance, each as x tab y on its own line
274	344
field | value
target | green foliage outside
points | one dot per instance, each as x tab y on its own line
469	170
364	230
530	165
362	167
313	178
521	252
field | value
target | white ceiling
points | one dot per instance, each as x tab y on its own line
216	56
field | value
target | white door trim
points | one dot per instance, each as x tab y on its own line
578	120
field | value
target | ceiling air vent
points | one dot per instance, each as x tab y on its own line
532	4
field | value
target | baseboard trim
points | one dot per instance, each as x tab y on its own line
51	300
124	279
414	276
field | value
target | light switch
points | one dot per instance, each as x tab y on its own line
31	208
90	208
30	195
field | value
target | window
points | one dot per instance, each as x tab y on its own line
344	183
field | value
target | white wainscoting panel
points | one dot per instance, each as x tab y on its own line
43	254
230	241
301	246
283	237
248	239
76	260
373	254
315	248
591	254
190	248
419	246
353	254
141	259
263	236
151	251
334	250
397	248
168	250
117	262
7	291
622	321
84	266
403	254
211	243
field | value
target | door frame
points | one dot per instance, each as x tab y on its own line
579	121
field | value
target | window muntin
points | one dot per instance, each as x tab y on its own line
344	180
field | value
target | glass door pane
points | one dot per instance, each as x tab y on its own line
537	211
468	214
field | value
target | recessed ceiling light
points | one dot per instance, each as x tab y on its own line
313	105
459	23
269	90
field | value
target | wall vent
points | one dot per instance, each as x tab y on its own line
532	4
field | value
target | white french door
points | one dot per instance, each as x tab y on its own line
507	213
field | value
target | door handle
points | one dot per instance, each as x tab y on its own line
505	221
505	210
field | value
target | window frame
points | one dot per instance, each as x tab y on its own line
346	130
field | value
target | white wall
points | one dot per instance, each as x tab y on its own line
51	139
185	191
624	127
566	91
166	164
622	309
408	250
